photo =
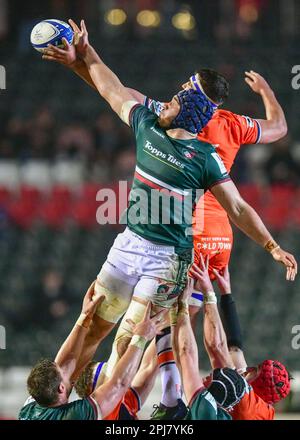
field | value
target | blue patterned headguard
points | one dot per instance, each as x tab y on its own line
196	109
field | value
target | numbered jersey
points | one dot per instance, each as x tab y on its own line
170	176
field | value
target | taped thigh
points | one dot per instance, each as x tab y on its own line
117	296
135	312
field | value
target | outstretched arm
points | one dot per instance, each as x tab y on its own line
144	379
213	332
111	392
185	346
69	353
230	319
87	64
274	127
248	221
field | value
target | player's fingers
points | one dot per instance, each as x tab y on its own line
147	311
73	25
288	273
206	262
201	262
90	291
50	58
54	48
65	42
98	299
196	269
130	323
249	75
217	274
292	259
83	27
195	274
249	82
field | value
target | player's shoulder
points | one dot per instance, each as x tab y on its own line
142	111
227	116
26	410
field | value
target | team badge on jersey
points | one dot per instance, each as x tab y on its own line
189	154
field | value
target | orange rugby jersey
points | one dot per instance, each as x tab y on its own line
127	407
227	131
252	407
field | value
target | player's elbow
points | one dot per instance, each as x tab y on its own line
277	131
280	131
237	208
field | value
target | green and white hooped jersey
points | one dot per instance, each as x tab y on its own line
82	409
169	176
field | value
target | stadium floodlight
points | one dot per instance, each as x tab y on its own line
148	18
184	21
249	13
115	17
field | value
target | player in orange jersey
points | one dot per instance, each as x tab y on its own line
268	383
226	131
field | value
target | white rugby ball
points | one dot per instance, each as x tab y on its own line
50	32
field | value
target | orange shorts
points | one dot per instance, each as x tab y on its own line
126	408
216	241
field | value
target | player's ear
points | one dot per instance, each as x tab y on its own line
61	388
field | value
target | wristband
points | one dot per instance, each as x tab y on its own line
138	341
271	246
183	308
210	298
84	320
173	312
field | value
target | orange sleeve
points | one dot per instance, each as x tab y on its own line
114	415
249	129
132	401
252	407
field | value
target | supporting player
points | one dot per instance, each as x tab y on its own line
50	383
136	395
226	388
269	382
149	260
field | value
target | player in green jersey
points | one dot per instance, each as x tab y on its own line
50	382
148	261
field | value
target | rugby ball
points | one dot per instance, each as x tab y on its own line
50	32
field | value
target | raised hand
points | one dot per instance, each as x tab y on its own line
81	40
91	301
289	262
66	56
256	82
201	275
148	328
223	280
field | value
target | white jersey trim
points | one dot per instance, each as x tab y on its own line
159	182
97	406
126	109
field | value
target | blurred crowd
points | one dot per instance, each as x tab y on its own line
106	147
